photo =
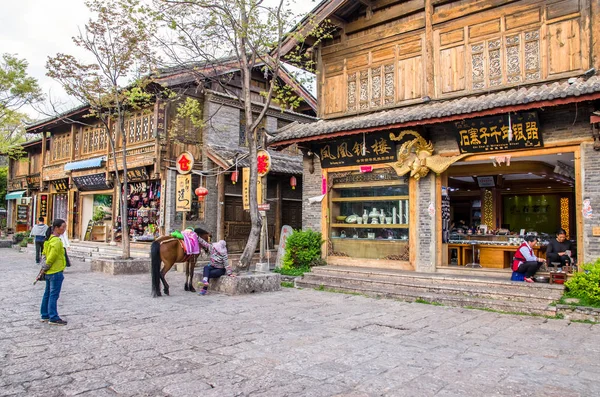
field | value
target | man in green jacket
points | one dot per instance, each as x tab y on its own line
53	270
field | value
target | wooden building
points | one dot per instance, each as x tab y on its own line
438	111
77	177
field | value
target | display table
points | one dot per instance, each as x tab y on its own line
490	255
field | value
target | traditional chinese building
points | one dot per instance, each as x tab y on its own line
77	177
450	129
23	186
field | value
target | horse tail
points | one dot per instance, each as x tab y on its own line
155	267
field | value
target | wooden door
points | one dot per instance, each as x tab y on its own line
237	224
292	214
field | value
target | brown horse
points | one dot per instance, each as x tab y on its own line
168	250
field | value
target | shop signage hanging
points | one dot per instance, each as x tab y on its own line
33	181
246	189
61	185
91	182
185	163
16	185
378	148
263	162
183	199
22	213
159	121
136	175
44	205
490	134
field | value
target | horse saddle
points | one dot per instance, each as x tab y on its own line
188	240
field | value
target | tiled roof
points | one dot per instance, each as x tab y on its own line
419	114
281	163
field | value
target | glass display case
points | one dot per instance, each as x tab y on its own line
370	219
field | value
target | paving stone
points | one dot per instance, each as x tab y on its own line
122	342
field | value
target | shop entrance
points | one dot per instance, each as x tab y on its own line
60	206
490	205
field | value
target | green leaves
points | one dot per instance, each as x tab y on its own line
586	285
191	109
303	249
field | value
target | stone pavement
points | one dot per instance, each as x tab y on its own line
120	341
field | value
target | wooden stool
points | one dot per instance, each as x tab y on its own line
558	277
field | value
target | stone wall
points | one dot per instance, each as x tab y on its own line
222	125
311	213
590	174
426	226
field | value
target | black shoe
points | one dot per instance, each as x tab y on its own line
57	322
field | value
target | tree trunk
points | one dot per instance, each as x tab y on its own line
123	192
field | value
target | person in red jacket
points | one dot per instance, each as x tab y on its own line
524	261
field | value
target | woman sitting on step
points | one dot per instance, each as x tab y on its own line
524	261
219	262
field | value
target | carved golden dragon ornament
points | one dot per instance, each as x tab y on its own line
416	156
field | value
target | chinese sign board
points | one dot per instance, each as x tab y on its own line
358	149
185	163
159	121
91	182
263	162
489	134
44	205
62	185
33	182
246	189
22	213
183	201
136	175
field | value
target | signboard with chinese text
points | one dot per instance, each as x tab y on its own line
185	163
33	181
135	175
44	205
159	118
62	185
22	213
378	148
183	200
263	162
91	182
490	134
246	189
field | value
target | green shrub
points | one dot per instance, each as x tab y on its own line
23	243
302	248
586	285
292	271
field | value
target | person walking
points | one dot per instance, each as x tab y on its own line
53	273
219	262
38	231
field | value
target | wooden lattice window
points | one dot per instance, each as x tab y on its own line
61	147
139	126
94	139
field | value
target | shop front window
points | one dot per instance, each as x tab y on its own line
369	216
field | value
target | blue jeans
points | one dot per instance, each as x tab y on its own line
48	309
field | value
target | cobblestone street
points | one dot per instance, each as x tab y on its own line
120	341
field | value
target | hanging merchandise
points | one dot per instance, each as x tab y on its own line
143	210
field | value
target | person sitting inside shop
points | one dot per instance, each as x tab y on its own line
558	249
459	227
525	261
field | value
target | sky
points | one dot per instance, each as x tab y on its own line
37	29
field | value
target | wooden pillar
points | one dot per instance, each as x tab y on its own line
325	216
438	231
413	222
43	161
579	206
73	132
221	207
429	70
278	211
595	35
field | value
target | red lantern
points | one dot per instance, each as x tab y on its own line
201	192
234	177
293	182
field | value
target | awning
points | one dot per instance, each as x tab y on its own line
84	164
15	195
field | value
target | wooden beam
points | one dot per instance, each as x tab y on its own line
394	12
579	207
221	207
337	21
595	34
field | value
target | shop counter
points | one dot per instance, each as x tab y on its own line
490	255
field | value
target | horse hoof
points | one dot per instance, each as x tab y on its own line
166	292
192	289
185	287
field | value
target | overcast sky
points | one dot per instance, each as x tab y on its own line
37	29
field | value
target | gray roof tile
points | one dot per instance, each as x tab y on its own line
434	109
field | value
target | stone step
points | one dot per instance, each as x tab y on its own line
534	295
469	271
449	300
429	279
